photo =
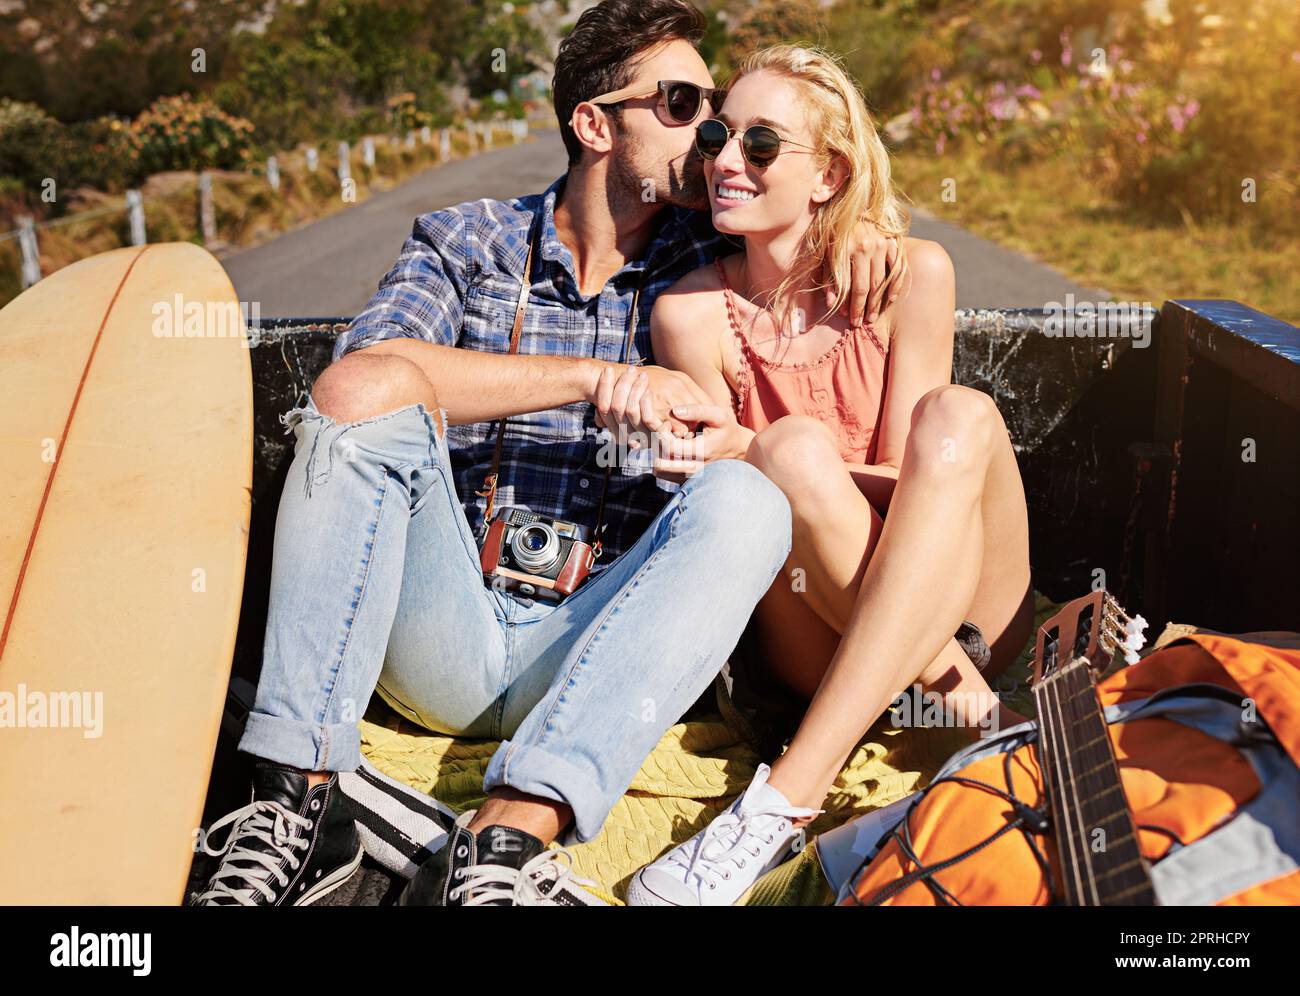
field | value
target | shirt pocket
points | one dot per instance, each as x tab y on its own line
490	314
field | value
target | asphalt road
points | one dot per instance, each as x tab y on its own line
332	266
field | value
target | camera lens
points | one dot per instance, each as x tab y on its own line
535	546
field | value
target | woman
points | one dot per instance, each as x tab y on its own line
909	515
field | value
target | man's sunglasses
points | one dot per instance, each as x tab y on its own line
759	144
681	100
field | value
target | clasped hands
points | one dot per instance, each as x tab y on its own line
650	406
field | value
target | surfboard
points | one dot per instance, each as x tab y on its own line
126	420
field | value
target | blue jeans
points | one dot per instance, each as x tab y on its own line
376	586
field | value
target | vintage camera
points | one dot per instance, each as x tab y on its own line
536	556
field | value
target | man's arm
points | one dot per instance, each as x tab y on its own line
417	314
475	387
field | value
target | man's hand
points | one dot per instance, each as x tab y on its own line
874	258
640	399
722	438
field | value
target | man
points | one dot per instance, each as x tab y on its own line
377	582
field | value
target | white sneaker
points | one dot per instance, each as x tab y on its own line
719	864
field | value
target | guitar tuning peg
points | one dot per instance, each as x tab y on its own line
1134	638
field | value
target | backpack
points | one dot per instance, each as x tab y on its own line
1206	731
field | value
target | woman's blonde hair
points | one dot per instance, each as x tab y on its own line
840	125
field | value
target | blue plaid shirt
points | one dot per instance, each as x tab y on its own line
456	283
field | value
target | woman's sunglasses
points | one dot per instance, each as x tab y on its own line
759	144
680	100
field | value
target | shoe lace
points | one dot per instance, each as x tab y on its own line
735	837
500	885
246	869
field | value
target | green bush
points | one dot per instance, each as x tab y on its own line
35	147
102	155
180	133
32	147
293	90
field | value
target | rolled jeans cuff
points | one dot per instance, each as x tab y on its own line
536	772
307	746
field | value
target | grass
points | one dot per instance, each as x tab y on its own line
1048	209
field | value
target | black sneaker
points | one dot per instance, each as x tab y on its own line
501	866
288	847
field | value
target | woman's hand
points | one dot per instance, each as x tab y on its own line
875	256
722	438
639	400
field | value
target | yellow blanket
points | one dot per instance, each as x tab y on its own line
696	772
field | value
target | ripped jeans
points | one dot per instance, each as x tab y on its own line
376	586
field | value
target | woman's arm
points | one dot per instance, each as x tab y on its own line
920	359
684	338
920	354
686	335
632	404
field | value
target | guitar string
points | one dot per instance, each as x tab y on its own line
1046	732
1061	760
1060	705
1127	838
1071	706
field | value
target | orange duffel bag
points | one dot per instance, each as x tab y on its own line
1206	733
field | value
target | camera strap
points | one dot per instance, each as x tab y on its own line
490	481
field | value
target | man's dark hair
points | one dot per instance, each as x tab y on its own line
597	55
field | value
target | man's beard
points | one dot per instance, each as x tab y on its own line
679	182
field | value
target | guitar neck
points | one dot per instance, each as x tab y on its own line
1101	861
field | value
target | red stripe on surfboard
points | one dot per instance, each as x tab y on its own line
58	455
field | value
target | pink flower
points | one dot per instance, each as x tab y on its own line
1175	115
1003	109
1191	109
939	144
1036	56
935	74
1142	138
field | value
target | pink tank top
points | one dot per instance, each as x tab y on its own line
844	387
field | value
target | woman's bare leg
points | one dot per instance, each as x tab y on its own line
836	529
797	644
897	592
